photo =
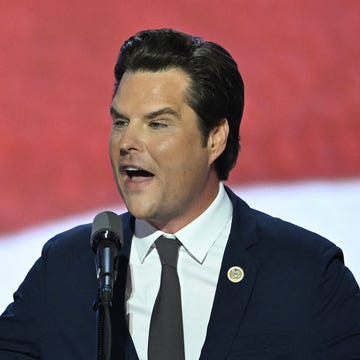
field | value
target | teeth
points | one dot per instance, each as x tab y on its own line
134	171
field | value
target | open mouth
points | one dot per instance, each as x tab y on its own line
136	174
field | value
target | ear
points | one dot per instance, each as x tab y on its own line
217	140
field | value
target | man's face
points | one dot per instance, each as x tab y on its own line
164	173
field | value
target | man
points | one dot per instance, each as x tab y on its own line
252	286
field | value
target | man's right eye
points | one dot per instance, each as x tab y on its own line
120	122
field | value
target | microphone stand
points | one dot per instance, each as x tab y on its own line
108	261
103	329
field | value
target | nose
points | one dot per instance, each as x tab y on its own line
130	139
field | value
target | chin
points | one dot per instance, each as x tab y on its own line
139	213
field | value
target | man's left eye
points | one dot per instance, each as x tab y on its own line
157	125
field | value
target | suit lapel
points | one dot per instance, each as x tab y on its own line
231	297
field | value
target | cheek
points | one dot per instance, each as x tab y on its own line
167	154
163	145
112	146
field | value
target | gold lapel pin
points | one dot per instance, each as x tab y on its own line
235	274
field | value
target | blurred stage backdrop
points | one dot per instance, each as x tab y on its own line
300	157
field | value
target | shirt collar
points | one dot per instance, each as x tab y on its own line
197	237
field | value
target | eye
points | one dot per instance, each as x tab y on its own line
120	123
157	124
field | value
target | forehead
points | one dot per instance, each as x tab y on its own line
143	88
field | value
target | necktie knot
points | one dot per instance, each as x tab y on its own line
168	250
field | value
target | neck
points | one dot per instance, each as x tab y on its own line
174	224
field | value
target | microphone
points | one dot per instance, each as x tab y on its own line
106	241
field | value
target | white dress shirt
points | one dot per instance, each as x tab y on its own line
200	256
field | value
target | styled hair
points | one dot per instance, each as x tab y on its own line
216	88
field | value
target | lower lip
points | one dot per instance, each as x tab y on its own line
137	183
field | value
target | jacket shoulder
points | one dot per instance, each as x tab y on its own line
276	234
76	239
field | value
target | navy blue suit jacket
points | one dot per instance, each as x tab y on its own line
297	300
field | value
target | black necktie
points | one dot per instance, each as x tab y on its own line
166	338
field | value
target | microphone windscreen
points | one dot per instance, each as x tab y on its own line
106	226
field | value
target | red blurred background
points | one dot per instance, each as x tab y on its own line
299	61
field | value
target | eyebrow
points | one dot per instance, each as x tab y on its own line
163	111
114	113
149	116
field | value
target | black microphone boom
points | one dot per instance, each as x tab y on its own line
106	241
